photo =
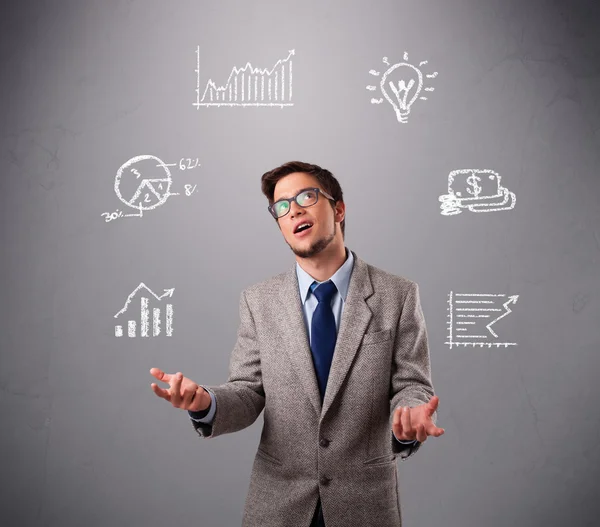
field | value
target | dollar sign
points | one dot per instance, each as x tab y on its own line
473	181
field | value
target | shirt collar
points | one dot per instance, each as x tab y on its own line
341	278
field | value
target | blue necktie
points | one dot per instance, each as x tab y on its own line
323	333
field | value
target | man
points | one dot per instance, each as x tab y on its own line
335	351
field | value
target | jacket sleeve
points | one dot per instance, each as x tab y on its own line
411	376
241	399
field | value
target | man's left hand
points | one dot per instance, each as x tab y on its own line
415	423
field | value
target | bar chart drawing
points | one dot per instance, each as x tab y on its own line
144	319
249	86
471	317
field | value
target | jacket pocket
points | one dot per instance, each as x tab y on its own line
377	336
268	457
380	460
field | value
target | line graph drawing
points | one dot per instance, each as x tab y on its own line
145	314
144	183
403	80
249	86
471	317
477	190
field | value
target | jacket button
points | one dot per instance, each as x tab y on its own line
324	442
325	480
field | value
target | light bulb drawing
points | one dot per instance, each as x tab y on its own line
401	84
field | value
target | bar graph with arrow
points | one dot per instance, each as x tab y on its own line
473	318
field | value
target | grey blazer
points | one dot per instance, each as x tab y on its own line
344	449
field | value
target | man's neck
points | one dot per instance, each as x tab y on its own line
325	264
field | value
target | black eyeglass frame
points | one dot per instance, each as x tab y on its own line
271	208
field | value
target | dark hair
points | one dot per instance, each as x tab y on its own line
325	178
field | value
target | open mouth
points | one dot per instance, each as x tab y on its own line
303	228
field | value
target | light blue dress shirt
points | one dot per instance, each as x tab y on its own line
341	279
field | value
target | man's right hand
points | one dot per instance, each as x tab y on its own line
182	393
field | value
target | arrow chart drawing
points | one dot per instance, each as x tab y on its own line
145	314
249	86
471	317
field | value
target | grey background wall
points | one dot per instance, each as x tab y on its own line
87	86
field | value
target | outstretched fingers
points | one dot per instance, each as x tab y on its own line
432	405
407	424
160	375
176	389
433	430
402	425
161	392
397	423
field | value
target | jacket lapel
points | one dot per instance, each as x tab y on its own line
295	334
355	319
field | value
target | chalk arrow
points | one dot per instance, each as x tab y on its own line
167	292
511	300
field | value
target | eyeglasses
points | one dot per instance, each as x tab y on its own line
305	198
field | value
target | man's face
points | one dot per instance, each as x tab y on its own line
321	216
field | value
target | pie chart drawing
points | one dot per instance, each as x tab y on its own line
143	182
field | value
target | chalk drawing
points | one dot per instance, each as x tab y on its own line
249	86
401	85
145	314
144	183
477	190
471	317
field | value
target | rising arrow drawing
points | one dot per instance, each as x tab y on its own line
167	292
511	300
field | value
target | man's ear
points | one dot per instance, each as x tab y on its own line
340	211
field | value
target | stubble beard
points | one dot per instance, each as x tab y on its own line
316	247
